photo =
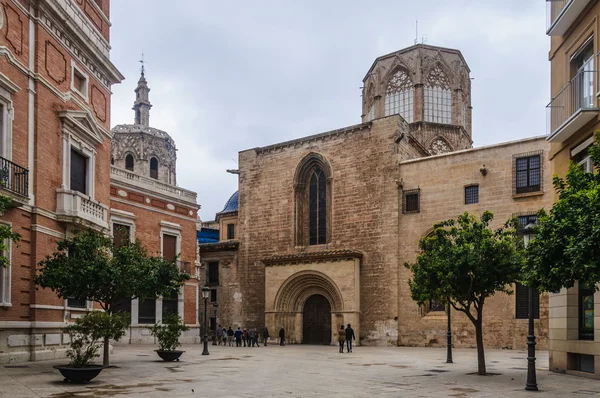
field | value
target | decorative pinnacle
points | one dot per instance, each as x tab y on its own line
141	61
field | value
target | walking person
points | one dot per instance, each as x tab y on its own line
225	337
349	337
238	337
251	338
230	335
266	335
282	336
256	335
341	338
245	337
219	335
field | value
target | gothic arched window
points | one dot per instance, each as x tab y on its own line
129	162
112	161
153	168
317	208
438	97
399	96
313	201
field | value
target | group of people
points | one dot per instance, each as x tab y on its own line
346	336
245	337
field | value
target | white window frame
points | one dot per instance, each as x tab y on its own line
6	273
169	228
86	77
71	141
586	162
122	217
7	89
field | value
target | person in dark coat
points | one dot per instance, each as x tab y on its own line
282	336
341	338
245	337
266	335
251	337
349	337
230	335
238	337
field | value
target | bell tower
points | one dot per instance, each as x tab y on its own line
142	104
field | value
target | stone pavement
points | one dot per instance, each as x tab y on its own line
299	371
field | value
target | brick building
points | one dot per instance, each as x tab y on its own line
147	205
325	223
55	87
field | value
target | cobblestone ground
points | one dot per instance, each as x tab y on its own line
299	371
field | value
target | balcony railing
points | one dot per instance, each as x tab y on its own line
150	183
560	15
575	104
14	177
73	206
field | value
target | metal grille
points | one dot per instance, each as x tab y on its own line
14	177
411	201
471	194
527	172
524	219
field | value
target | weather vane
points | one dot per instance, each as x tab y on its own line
142	62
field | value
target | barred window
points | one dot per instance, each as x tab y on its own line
438	97
472	194
399	96
528	173
525	220
411	201
436	305
522	302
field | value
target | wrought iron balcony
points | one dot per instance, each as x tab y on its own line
14	178
77	208
575	105
561	14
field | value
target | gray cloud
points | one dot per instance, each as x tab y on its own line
228	76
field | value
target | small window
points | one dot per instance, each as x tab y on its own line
580	362
147	311
528	173
76	303
78	172
436	305
525	220
129	162
121	234
112	161
80	82
230	231
586	312
153	168
522	302
472	194
411	201
213	295
213	272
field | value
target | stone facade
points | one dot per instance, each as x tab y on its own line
325	216
55	88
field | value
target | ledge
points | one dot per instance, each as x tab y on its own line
296	258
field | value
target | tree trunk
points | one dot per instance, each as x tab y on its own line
480	354
106	347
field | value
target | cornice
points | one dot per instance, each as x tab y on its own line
303	258
162	195
153	209
229	245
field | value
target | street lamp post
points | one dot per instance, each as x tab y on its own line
531	377
449	334
205	294
214	339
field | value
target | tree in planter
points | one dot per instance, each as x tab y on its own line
566	245
168	332
6	232
464	262
89	266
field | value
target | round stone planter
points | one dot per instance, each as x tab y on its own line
169	356
79	375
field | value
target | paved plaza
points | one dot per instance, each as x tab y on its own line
299	371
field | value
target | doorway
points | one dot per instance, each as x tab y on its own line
316	321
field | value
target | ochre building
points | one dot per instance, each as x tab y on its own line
324	224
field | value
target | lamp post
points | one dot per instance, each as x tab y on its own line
449	334
531	377
205	294
214	339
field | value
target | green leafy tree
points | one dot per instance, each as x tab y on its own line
89	266
6	232
168	332
463	262
566	243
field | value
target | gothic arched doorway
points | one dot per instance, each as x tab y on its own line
316	328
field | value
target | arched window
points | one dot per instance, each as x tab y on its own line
439	145
438	97
399	96
129	162
313	201
317	208
153	168
112	161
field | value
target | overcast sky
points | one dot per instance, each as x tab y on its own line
232	75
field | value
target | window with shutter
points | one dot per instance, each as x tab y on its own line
78	172
169	247
213	273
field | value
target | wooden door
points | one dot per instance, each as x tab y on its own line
317	321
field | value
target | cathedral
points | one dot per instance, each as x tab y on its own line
321	226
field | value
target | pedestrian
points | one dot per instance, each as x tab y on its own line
282	336
219	335
256	335
245	337
230	336
349	337
251	338
224	337
238	337
266	335
341	338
